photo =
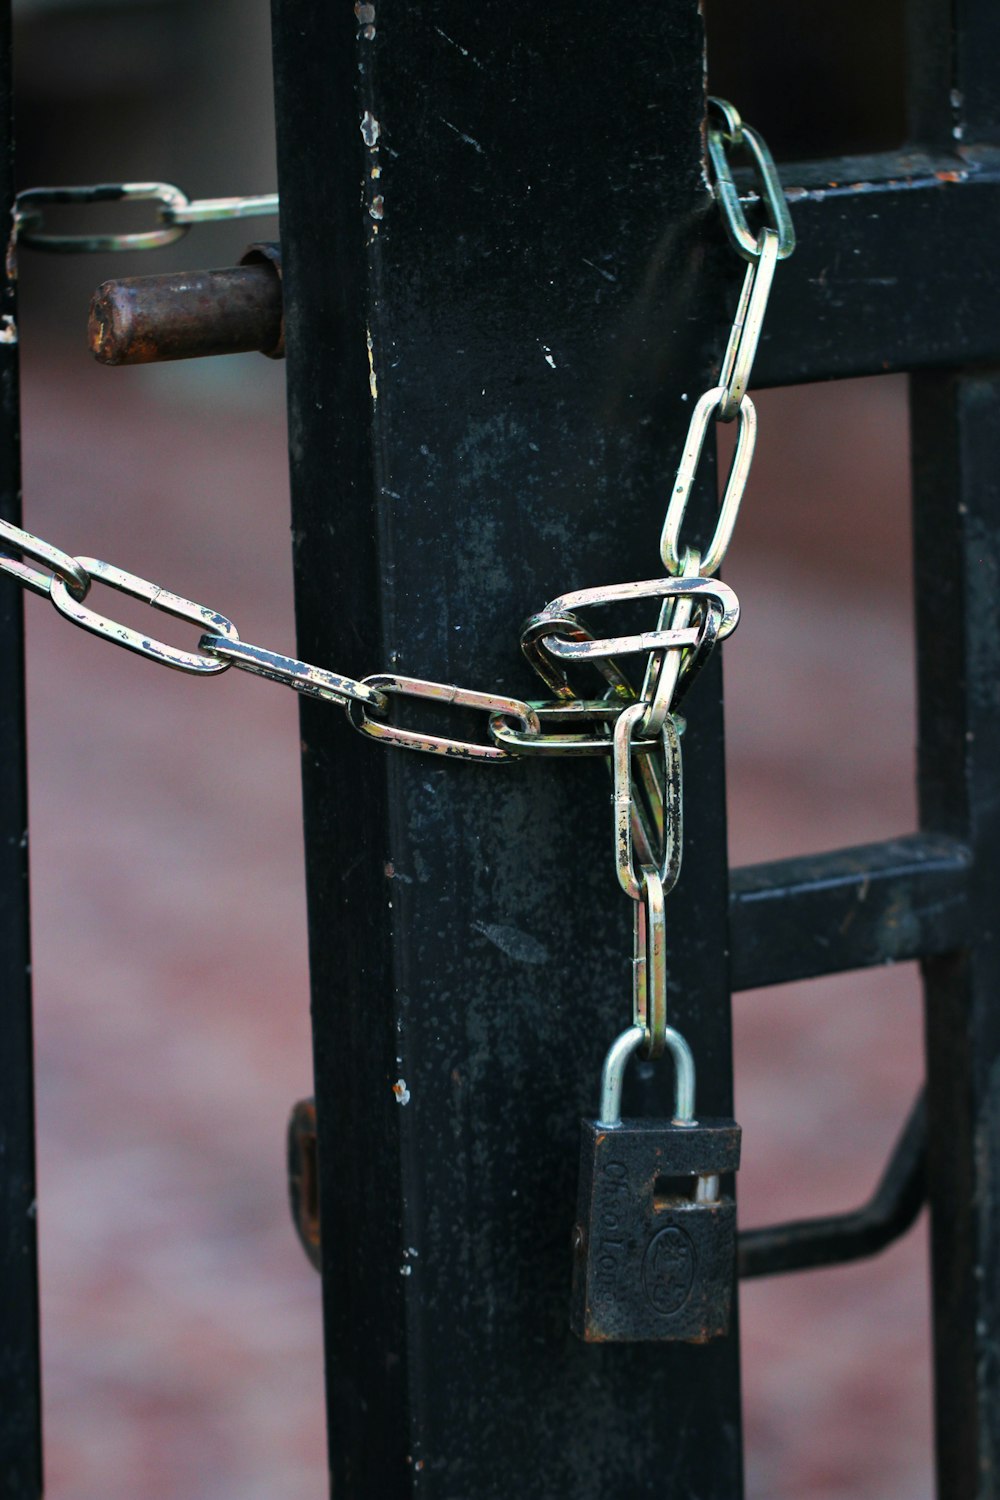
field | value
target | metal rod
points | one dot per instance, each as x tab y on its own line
187	314
888	1214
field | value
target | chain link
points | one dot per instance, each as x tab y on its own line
707	406
58	563
727	132
74	608
176	213
412	739
314	682
631	880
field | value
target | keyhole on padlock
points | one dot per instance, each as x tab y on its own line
667	1191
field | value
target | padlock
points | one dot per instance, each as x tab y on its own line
654	1244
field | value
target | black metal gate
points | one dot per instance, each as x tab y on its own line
503	274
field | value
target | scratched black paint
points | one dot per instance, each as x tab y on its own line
539	284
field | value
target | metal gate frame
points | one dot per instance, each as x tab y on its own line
502	274
504	222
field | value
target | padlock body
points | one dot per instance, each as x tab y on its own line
650	1262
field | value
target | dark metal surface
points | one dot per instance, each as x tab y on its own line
650	1261
954	423
187	315
955	419
20	1401
488	344
889	1213
851	909
878	255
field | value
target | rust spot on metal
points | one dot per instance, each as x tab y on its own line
189	314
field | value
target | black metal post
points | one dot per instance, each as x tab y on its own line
957	509
20	1401
955	420
502	291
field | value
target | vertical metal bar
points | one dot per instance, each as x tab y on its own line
957	547
20	1401
975	97
954	418
500	262
954	80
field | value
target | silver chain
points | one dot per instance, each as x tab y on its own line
176	213
696	609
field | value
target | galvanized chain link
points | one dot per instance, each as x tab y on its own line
176	213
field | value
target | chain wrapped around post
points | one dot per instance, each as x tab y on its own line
696	610
639	732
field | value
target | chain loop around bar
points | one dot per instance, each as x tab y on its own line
695	609
720	141
638	733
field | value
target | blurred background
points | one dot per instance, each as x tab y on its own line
181	1322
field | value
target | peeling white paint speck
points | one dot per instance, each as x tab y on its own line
468	139
372	382
370	129
401	1092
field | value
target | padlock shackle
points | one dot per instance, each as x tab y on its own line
613	1076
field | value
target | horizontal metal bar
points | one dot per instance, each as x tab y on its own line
851	909
807	1243
901	250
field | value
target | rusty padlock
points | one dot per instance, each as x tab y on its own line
655	1239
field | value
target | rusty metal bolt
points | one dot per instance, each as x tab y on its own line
190	314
